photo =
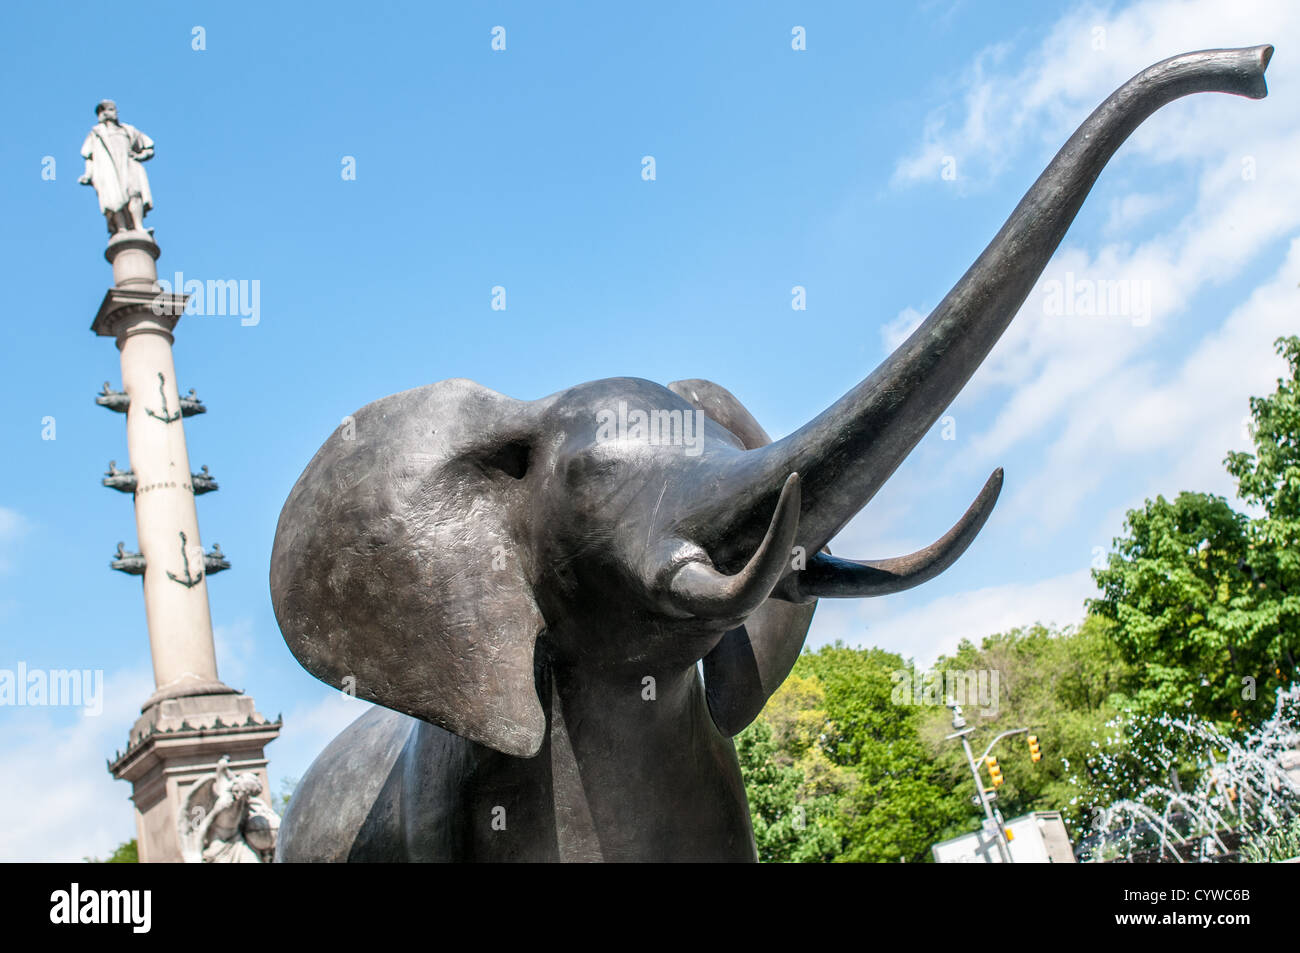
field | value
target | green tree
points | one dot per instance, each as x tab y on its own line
1065	684
1199	603
801	728
280	803
1206	598
898	803
1185	605
835	771
1269	479
125	854
784	831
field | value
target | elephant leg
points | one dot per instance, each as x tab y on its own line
347	806
462	801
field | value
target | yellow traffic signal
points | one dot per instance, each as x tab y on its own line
1034	753
995	773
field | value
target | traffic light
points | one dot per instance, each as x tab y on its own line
1034	753
995	773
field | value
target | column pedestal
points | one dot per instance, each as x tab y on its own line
176	744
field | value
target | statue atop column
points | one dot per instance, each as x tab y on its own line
114	152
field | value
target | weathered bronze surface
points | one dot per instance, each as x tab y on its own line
528	586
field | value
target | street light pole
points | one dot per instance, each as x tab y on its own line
959	722
1004	848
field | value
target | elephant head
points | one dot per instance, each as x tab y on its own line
433	540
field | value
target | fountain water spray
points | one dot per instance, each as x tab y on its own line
1241	787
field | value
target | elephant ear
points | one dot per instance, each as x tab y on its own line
397	573
723	407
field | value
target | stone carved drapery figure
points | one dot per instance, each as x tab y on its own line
113	152
225	820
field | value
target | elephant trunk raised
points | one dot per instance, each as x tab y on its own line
847	453
536	590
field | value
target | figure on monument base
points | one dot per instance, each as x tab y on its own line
225	821
113	152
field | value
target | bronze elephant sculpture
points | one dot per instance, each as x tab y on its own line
569	606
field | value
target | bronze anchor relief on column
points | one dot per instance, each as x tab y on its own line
166	417
189	582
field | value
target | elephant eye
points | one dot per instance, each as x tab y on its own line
510	458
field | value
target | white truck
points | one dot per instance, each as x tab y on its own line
1037	838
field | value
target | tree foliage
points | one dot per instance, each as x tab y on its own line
1269	480
1207	598
1063	684
831	752
1185	605
1198	613
125	853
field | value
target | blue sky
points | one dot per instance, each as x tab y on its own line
522	168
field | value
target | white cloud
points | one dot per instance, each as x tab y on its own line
1201	411
936	628
1131	210
971	141
1087	395
308	729
63	805
895	332
58	799
12	524
12	528
1102	402
1085	56
1082	399
234	644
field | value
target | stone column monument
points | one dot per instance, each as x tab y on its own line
194	757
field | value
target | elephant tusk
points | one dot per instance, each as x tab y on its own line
830	577
700	590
